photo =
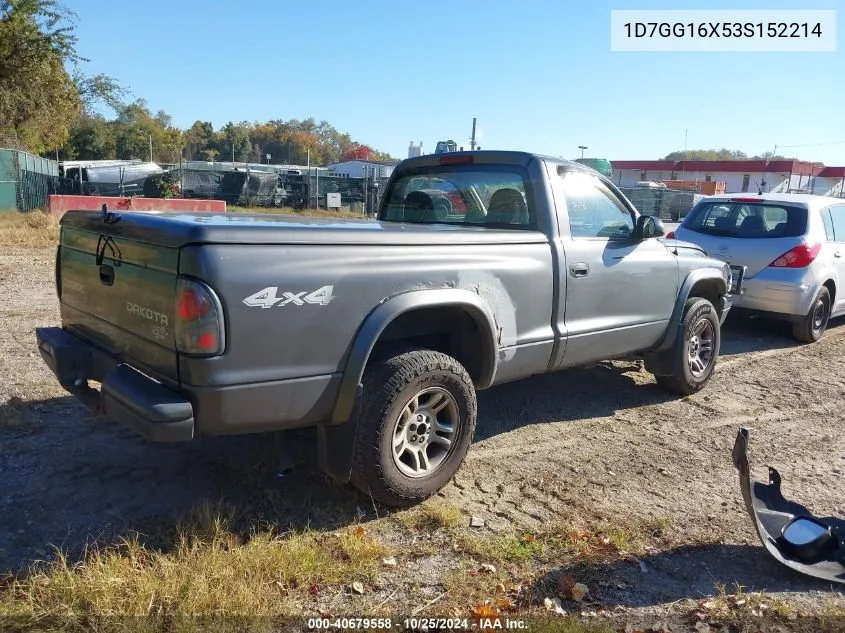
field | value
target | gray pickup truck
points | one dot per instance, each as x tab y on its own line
481	268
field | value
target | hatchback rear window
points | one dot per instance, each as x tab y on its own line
747	219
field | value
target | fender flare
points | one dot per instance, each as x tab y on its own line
693	278
382	315
336	439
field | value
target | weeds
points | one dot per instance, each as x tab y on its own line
14	414
430	516
210	571
319	213
32	229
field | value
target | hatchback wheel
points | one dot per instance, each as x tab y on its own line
812	326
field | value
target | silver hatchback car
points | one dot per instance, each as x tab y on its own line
786	251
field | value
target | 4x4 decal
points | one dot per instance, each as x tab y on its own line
269	297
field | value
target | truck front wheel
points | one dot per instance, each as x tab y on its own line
417	419
696	348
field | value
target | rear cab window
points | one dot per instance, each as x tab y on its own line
496	196
743	219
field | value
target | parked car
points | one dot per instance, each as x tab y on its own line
378	332
792	250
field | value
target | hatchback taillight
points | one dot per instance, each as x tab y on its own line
199	319
798	257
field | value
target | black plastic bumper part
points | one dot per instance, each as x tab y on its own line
127	396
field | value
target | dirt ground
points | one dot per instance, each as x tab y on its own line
593	445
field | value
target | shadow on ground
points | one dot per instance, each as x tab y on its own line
742	333
71	478
688	572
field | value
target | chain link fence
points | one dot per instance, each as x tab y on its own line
25	179
667	204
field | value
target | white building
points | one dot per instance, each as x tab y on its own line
362	168
415	150
738	175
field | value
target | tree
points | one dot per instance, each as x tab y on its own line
39	98
197	139
92	137
135	127
99	89
706	154
357	152
770	156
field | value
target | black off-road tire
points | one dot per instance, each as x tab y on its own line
682	380
811	328
389	384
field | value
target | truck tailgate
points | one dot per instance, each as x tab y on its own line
117	290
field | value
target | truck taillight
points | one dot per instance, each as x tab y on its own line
199	319
798	257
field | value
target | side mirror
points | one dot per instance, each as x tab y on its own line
649	226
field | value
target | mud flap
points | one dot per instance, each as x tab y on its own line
660	363
771	512
336	443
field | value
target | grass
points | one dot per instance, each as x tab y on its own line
32	229
319	213
13	414
210	571
430	516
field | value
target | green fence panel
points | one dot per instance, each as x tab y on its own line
8	181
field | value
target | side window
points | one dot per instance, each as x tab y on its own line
593	210
837	214
712	213
828	224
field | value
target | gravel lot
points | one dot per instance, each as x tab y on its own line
600	444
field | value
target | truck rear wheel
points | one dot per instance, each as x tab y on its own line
694	353
417	419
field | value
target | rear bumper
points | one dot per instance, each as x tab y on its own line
163	414
788	300
126	395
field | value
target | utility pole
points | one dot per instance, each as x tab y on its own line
582	148
151	148
309	175
472	140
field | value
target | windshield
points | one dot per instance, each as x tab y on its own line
489	195
747	219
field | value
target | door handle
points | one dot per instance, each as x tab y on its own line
581	269
106	275
837	254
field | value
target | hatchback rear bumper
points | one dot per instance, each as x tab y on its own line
778	299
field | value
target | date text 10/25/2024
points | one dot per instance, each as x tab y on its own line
418	623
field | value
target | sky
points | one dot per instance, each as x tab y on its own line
538	75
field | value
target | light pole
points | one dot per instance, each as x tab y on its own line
582	148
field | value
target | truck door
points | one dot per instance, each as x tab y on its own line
620	291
